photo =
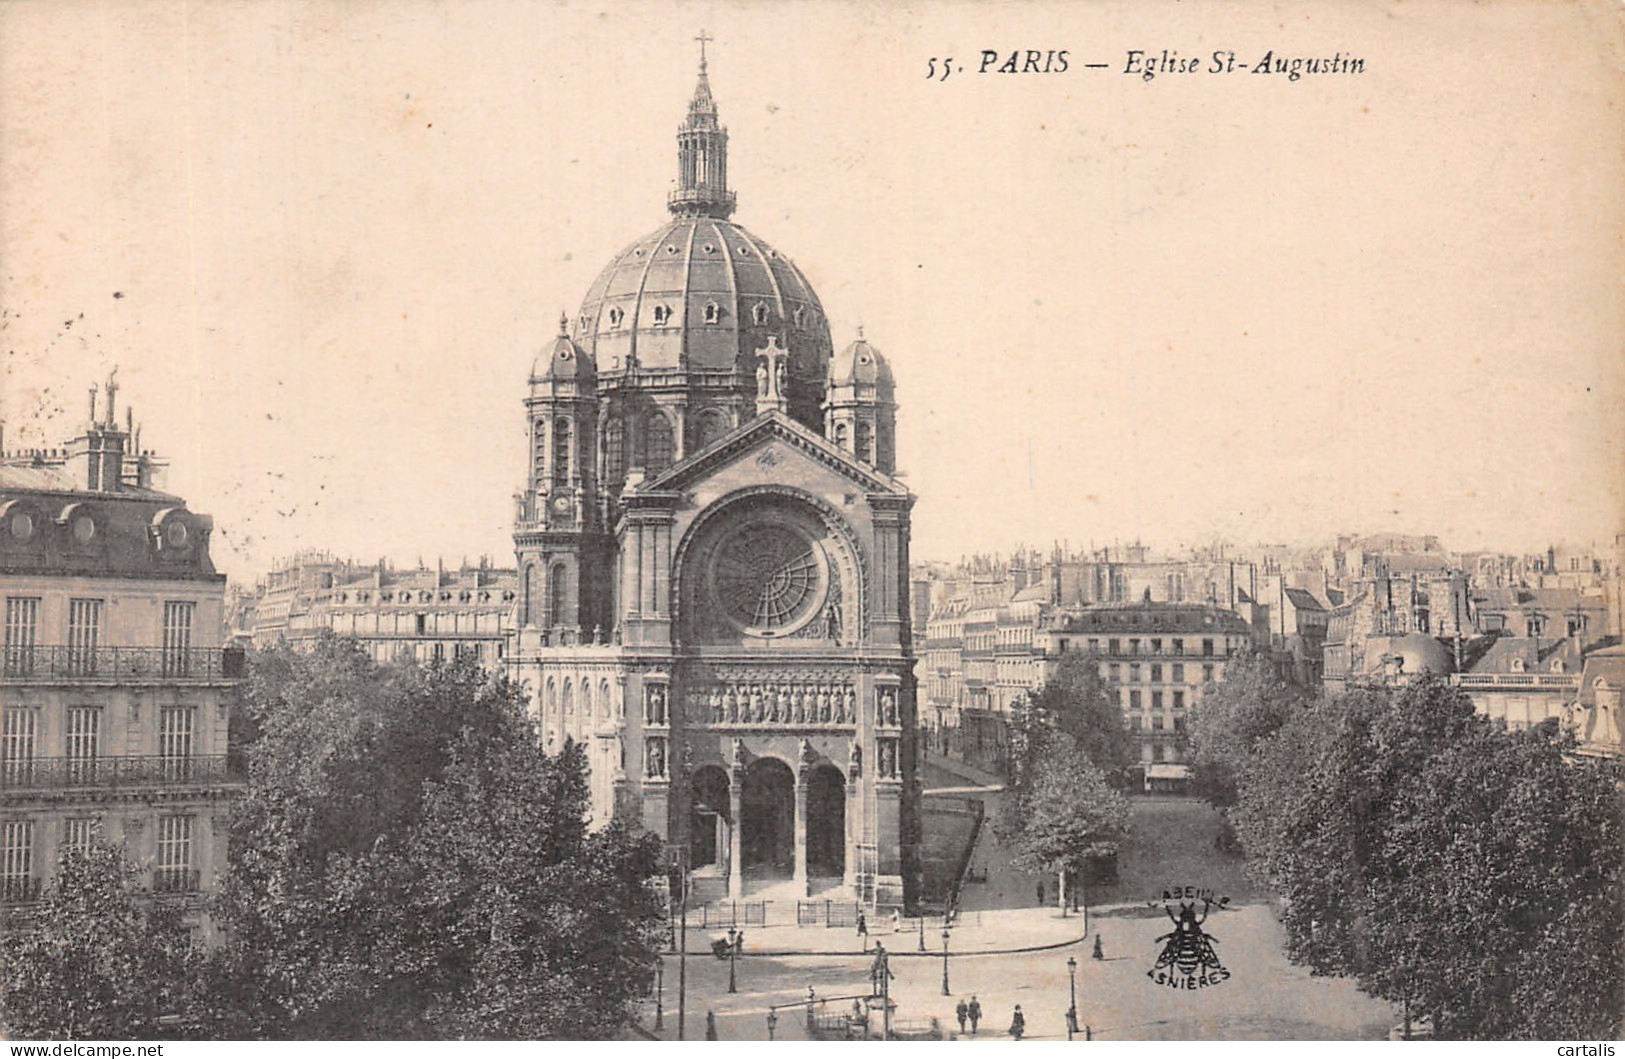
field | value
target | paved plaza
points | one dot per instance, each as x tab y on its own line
1265	997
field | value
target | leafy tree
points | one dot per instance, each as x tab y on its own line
409	864
1446	863
1070	815
1232	719
96	959
1080	708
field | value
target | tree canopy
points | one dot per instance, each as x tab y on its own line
95	960
409	863
1232	719
1444	861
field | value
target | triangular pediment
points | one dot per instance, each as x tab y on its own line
763	433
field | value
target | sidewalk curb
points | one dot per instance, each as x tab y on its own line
900	955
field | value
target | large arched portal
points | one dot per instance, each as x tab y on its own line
826	822
709	823
769	819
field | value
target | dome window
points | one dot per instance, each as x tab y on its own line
744	250
615	317
662	315
759	314
671	249
638	251
710	248
798	317
713	313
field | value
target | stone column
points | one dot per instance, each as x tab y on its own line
736	833
801	830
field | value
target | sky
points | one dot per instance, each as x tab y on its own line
322	242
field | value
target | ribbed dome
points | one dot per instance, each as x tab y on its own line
705	294
561	360
860	364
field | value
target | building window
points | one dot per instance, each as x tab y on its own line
1179	700
17	860
83	738
84	631
79	833
1207	648
841	437
1179	673
556	596
1207	674
569	699
1134	646
865	447
662	315
178	637
713	312
798	318
1136	723
758	315
1094	646
657	443
1178	646
1156	647
1134	699
1156	672
616	316
1179	723
1112	647
21	726
174	874
175	725
420	624
22	630
1535	624
561	451
1156	700
1134	672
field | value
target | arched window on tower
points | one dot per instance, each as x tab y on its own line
865	449
533	595
614	452
603	697
540	451
569	699
711	425
586	698
561	451
557	596
657	443
842	439
552	699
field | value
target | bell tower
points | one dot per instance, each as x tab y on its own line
860	411
559	537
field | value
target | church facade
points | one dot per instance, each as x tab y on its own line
713	556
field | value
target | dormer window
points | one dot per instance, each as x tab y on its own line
662	315
616	316
797	317
713	313
759	315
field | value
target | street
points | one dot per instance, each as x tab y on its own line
1264	998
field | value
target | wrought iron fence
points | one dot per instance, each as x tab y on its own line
175	880
19	889
50	662
147	770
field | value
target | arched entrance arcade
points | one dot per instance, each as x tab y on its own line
768	820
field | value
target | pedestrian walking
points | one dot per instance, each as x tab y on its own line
975	1013
711	1025
1040	893
962	1012
1099	953
1018	1023
863	930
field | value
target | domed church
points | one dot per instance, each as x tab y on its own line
713	557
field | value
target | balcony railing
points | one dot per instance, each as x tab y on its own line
18	889
175	880
44	773
48	663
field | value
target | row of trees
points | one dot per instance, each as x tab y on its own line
1470	873
1069	754
407	863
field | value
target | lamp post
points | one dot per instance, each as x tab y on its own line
733	951
922	931
660	995
1072	1012
945	991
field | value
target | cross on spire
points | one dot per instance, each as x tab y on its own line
703	38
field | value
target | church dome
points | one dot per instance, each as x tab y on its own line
860	364
701	293
1416	654
561	360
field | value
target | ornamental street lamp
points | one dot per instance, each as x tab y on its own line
1072	1012
733	951
660	995
945	991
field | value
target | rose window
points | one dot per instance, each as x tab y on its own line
768	577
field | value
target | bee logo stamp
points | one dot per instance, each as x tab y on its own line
1188	959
